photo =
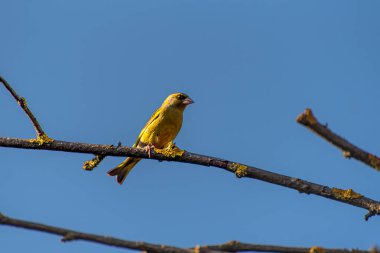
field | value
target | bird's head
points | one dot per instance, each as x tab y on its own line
178	100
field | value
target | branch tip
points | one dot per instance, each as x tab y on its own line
307	118
94	162
368	215
22	103
373	210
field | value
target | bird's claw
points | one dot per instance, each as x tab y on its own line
148	149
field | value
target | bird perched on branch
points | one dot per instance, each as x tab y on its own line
159	132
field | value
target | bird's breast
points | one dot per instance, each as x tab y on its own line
164	129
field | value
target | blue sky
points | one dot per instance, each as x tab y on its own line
94	71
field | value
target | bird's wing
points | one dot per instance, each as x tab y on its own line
154	117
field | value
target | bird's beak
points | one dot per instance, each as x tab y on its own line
187	101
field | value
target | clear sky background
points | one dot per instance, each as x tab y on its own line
94	71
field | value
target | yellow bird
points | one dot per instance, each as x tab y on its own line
159	132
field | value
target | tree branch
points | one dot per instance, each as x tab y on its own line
71	235
233	246
308	120
345	196
41	135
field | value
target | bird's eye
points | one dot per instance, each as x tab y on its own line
180	96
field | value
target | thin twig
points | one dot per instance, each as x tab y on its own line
345	196
41	135
233	246
308	120
94	162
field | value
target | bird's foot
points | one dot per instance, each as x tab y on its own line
148	148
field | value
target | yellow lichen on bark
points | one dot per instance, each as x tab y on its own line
307	117
316	249
375	161
170	151
239	169
91	164
345	194
41	139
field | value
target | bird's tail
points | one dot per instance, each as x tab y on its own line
122	170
